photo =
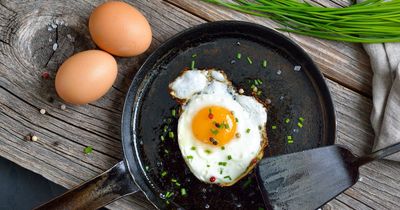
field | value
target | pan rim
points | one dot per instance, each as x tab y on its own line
132	102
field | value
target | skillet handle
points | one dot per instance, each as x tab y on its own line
98	192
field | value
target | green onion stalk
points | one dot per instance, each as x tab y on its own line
371	21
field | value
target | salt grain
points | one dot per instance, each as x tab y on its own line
279	72
42	111
207	206
297	68
360	179
53	25
34	138
241	91
50	39
63	107
281	98
49	28
55	46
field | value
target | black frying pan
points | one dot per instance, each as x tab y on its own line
148	107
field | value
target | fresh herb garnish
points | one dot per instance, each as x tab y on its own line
221	170
192	64
273	127
193	148
289	137
173	112
222	163
237	120
164	173
173	180
162	138
189	157
229	157
183	192
264	63
208	166
238	55
301	119
166	151
207	151
223	148
214	132
165	128
194	55
287	120
227	177
168	194
248	130
171	134
249	60
300	125
88	150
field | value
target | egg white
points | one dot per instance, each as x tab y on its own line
203	88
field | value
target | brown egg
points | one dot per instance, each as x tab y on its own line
120	29
86	76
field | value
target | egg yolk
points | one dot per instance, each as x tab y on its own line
214	125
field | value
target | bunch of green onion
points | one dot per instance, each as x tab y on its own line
371	21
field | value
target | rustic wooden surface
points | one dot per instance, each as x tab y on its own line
26	50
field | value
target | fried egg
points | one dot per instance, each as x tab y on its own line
221	134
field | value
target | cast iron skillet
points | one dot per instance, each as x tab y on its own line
148	107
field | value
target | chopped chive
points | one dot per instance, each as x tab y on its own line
248	130
256	82
169	120
164	173
171	134
194	55
183	192
249	60
290	142
162	138
222	163
208	166
168	194
287	120
88	150
264	63
259	92
174	180
173	112
301	119
221	170
189	157
289	137
192	64
227	177
165	128
300	124
229	157
247	183
209	111
177	184
237	120
239	56
273	127
259	81
166	151
193	148
214	132
252	86
167	202
222	148
207	151
226	125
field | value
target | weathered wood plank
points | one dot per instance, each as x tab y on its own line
344	63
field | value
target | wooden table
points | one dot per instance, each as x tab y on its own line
27	40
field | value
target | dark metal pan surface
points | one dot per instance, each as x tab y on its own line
293	94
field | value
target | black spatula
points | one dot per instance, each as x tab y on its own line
307	180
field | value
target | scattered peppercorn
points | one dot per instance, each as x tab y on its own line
212	179
28	138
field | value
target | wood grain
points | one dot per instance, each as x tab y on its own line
25	52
